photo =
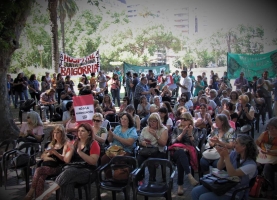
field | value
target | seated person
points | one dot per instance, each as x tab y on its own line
267	145
123	135
86	150
185	134
105	123
156	135
246	114
100	133
32	130
71	126
131	110
222	134
166	93
66	114
126	102
108	108
203	118
245	153
157	105
204	100
47	99
143	109
66	95
54	155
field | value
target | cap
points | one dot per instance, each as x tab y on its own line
47	73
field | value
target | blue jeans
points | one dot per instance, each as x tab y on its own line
116	95
25	93
202	193
21	96
182	161
205	164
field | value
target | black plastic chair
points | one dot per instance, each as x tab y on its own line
150	188
113	185
246	188
8	144
30	148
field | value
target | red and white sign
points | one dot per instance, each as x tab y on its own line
169	80
79	66
84	108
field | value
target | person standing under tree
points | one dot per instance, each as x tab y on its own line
185	86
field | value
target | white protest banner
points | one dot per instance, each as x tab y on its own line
79	66
84	108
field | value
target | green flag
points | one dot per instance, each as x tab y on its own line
251	65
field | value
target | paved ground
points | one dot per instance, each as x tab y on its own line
16	191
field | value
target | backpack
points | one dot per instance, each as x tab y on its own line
259	186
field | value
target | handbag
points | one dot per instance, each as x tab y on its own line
120	172
149	151
211	154
115	150
219	186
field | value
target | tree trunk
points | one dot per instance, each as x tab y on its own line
14	15
62	31
52	8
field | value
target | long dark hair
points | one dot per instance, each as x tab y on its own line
164	110
168	106
251	150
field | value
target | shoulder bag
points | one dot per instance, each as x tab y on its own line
115	150
149	151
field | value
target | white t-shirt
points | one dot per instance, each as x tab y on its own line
189	104
186	82
169	122
66	115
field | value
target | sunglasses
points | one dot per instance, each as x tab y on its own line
96	120
185	119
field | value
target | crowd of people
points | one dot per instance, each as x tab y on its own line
153	114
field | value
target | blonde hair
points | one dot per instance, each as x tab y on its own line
157	117
188	116
60	128
244	98
98	115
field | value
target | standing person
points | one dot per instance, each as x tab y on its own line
128	82
102	80
134	84
141	89
48	78
25	87
264	84
18	88
11	91
185	84
176	79
92	80
193	81
54	155
86	150
119	73
70	83
59	86
152	81
44	84
199	85
33	86
115	89
241	81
